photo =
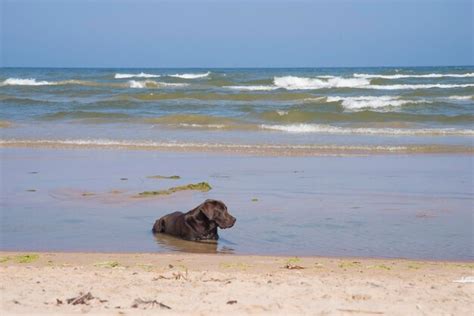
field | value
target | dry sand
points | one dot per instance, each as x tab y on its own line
199	284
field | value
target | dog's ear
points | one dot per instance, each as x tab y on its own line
208	209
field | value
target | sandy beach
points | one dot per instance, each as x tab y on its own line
200	284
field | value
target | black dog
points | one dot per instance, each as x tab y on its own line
198	224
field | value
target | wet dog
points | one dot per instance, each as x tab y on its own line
199	224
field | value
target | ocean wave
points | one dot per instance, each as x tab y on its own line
193	120
153	84
363	102
140	75
461	97
263	149
302	83
253	88
191	76
33	82
25	82
86	115
419	86
401	76
329	129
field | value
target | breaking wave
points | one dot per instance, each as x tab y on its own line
362	102
419	86
140	75
329	82
191	76
296	83
153	84
25	82
461	97
253	88
402	76
329	129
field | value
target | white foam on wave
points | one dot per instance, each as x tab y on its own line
253	88
401	76
194	125
140	75
419	86
329	129
25	82
362	102
191	76
153	84
461	97
302	83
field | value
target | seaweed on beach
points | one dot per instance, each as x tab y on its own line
107	264
202	186
164	177
28	258
148	304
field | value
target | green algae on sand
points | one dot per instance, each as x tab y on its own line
201	186
28	258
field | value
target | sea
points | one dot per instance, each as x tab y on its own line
291	110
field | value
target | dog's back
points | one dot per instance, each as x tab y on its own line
166	223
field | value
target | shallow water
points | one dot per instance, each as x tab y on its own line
377	206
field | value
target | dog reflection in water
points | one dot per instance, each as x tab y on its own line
199	224
171	243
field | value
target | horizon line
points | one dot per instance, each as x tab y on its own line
240	67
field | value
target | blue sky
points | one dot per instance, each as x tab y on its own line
226	33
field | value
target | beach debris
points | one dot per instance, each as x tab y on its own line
360	297
28	258
237	265
107	264
164	177
148	304
380	266
254	200
232	302
226	281
466	279
351	264
201	186
360	311
293	266
33	172
124	179
59	302
31	190
81	299
175	276
88	194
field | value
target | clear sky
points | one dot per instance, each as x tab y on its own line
236	33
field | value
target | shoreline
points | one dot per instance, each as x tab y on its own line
261	150
67	253
199	284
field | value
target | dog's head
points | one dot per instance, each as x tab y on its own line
217	211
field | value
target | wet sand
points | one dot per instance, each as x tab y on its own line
200	284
